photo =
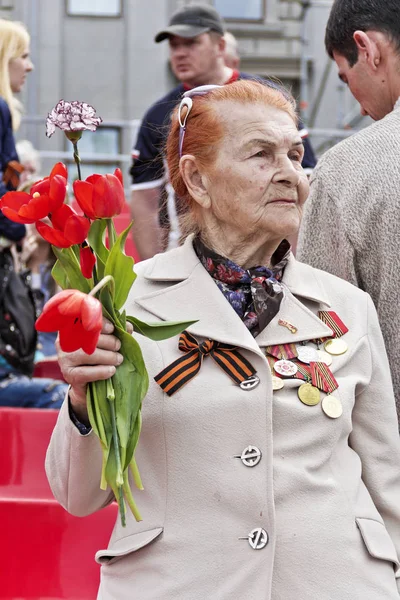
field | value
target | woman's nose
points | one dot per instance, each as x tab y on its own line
29	66
287	173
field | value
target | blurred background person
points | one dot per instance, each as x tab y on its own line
16	387
15	64
351	220
196	41
29	158
231	53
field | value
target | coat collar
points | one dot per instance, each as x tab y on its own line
179	299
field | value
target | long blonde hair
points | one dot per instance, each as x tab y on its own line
14	40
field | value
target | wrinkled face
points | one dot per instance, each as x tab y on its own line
193	59
257	184
18	69
365	86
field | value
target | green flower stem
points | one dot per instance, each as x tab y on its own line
77	159
111	233
101	284
111	397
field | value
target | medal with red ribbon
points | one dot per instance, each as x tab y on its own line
282	351
322	377
303	372
333	344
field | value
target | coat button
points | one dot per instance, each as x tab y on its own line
250	383
258	538
250	456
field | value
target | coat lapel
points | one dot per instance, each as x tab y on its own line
187	292
299	281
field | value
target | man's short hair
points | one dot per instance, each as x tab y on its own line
348	16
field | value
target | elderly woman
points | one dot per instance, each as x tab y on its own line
273	473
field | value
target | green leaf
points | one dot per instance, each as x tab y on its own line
159	331
71	266
120	267
60	276
96	240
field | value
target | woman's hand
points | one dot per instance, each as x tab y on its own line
79	368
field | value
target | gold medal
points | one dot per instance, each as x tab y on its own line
277	384
332	407
324	357
336	346
309	394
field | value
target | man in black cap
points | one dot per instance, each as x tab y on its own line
196	40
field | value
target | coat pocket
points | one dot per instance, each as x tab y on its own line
126	545
378	541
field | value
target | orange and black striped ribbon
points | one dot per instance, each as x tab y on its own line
322	377
12	173
182	370
286	351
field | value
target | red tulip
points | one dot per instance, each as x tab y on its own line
76	316
100	196
68	228
87	260
45	197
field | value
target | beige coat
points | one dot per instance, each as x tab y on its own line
326	491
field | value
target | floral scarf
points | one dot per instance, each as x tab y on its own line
255	293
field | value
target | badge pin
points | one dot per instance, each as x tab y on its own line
250	383
288	325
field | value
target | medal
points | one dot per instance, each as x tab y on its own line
279	351
332	407
285	368
322	377
309	394
331	319
336	347
277	384
306	354
324	357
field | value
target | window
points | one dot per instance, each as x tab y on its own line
106	143
241	10
94	8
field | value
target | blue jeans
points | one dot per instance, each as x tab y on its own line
19	391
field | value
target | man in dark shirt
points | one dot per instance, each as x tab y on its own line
195	35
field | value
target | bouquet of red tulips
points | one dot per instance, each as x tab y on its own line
96	280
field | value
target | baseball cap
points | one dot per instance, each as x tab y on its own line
191	21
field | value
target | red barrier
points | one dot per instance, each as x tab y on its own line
45	552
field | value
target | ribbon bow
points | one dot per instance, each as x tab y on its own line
182	370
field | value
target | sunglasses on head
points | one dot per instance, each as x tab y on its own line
188	103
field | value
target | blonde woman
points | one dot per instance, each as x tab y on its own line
15	64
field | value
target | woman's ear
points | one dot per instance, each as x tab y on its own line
194	180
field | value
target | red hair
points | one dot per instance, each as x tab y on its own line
204	129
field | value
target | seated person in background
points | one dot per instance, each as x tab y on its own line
30	159
38	257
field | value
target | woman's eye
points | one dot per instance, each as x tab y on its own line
260	154
295	156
